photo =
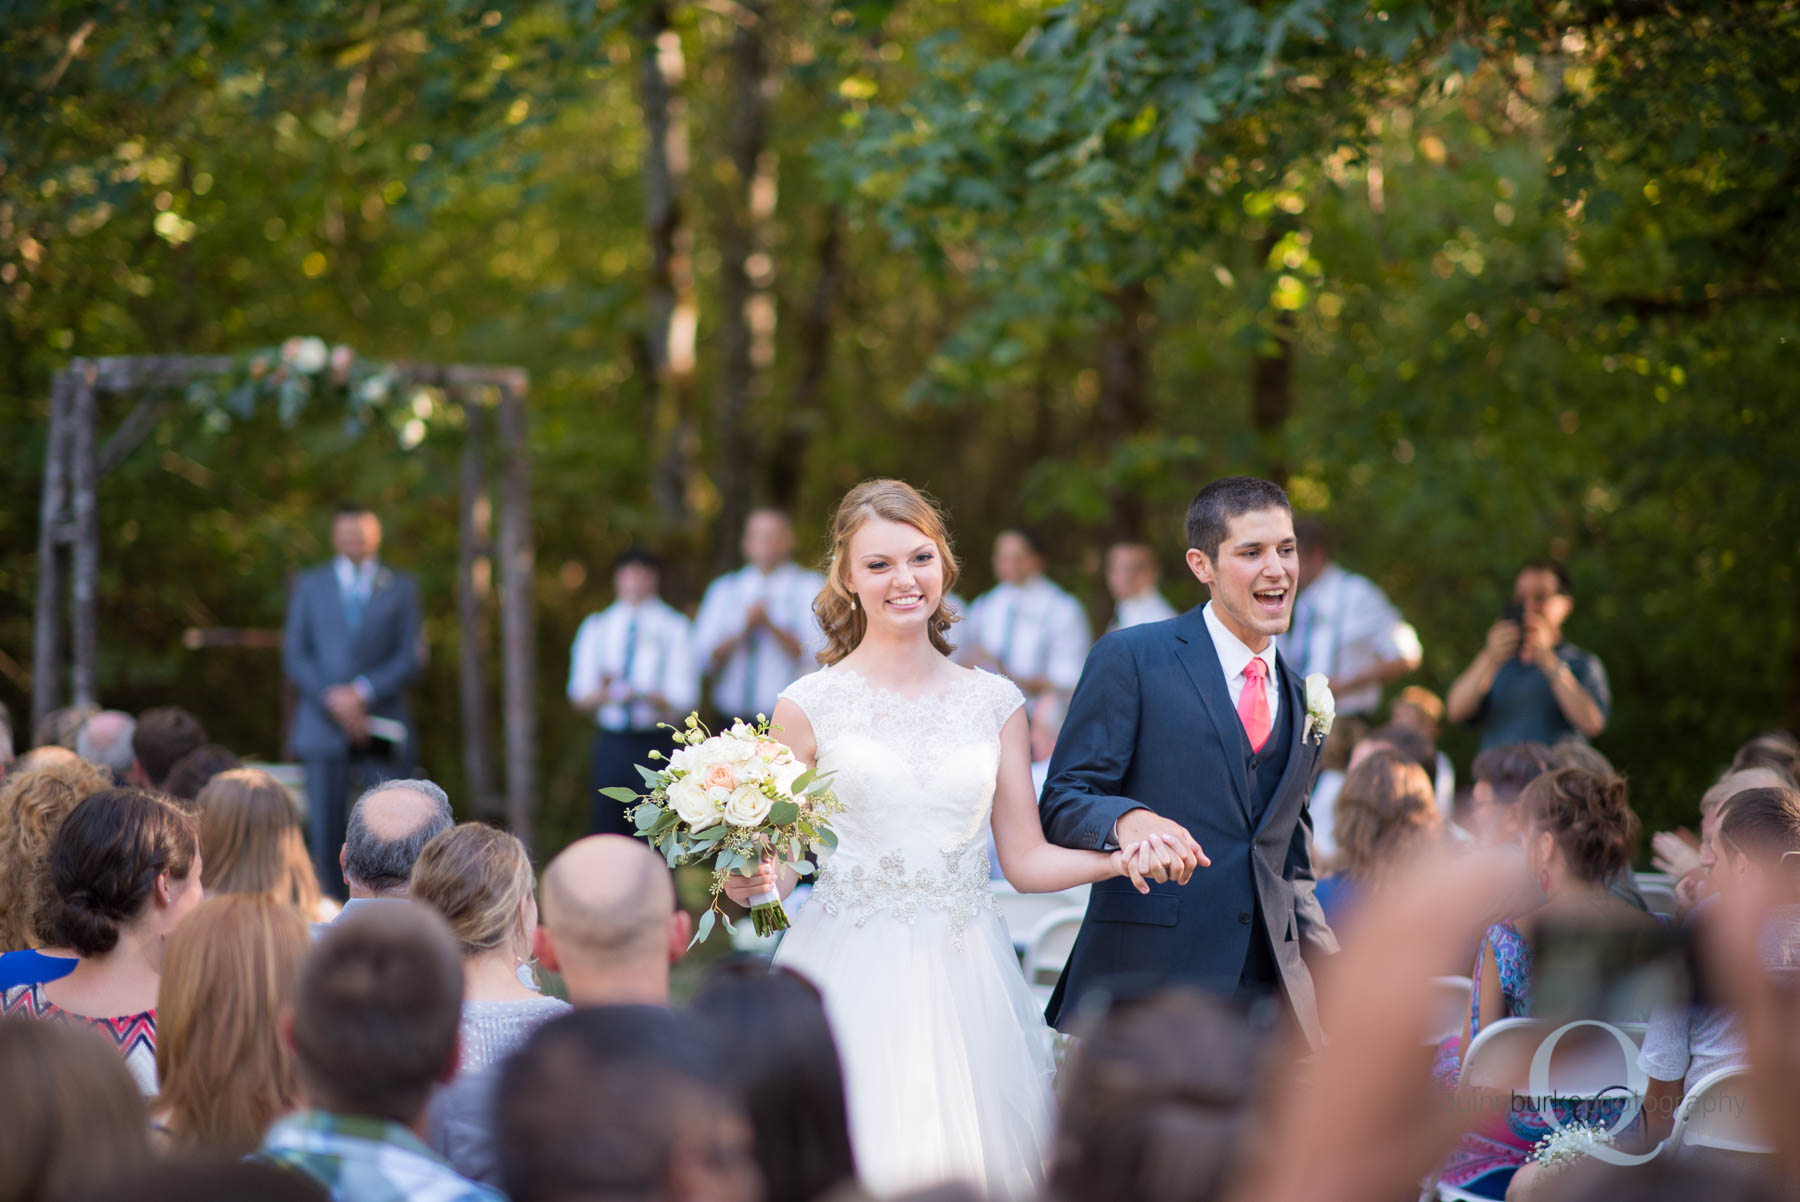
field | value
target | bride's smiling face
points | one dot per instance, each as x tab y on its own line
896	574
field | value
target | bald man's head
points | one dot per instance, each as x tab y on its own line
607	899
389	826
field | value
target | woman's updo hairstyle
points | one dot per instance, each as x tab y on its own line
105	861
1590	817
843	621
478	878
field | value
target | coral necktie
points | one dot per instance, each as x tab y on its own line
1253	705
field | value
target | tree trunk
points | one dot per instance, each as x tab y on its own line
1272	379
673	316
1124	408
47	651
518	628
807	409
474	575
84	493
746	271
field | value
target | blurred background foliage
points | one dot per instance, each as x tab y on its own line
1477	281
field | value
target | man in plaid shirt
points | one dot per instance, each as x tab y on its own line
373	1032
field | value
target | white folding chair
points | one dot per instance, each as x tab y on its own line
1660	898
1022	912
1717	1119
1048	948
1449	1008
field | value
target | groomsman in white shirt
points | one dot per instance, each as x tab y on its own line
1131	578
1345	627
1027	627
756	633
632	666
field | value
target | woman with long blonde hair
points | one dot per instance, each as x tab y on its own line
251	841
947	1059
224	1072
33	804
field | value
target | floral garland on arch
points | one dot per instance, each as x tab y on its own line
302	370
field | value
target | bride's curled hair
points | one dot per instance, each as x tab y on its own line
896	501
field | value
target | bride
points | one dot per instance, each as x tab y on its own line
947	1060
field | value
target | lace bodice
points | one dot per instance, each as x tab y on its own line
916	776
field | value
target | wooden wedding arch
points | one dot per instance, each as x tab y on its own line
493	404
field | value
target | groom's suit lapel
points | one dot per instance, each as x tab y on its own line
1194	648
1293	709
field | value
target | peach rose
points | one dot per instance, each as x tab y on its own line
719	776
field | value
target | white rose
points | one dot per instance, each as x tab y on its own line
1321	706
747	806
311	355
786	772
737	751
693	804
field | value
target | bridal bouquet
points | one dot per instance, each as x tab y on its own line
729	800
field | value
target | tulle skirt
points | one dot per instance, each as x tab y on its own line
947	1060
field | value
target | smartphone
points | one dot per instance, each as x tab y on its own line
1614	973
1512	611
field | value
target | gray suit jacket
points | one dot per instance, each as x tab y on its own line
319	652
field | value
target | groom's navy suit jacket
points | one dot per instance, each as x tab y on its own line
1152	724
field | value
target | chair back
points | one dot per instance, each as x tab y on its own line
1047	950
1718	1115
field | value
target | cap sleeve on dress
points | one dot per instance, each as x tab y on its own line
1004	696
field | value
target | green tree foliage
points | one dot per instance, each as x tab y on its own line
1478	281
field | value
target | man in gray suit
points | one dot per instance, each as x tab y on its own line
352	645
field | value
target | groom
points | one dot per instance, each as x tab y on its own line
1196	724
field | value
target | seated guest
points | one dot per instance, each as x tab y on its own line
1579	833
211	1180
126	868
611	925
373	1030
1776	749
1496	818
1156	1101
611	928
1756	828
388	827
622	1103
480	880
74	1117
1385	815
251	841
195	770
1407	742
1423	710
62	727
104	741
785	1065
33	804
223	1072
1692	864
162	737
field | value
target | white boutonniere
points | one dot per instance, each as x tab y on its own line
1321	707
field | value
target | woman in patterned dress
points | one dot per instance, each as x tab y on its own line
125	866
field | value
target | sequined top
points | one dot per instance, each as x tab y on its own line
491	1030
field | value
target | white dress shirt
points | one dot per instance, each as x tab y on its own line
644	648
1145	607
751	680
356	580
1344	626
1033	629
1234	657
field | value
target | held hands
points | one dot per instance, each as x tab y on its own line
1154	849
347	709
757	615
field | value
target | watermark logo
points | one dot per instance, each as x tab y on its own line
1637	1082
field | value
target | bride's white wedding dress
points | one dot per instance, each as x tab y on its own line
947	1060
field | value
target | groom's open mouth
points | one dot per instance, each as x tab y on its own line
1271	600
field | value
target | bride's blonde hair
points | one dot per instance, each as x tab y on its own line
842	620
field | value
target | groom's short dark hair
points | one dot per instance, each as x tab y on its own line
1210	514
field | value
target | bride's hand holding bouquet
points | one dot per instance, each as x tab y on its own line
733	801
